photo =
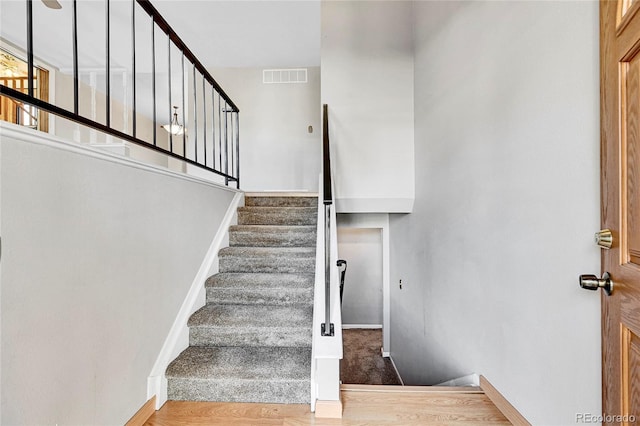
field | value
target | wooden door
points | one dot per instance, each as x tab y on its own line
620	204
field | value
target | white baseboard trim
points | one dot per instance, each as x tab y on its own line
367	326
397	372
178	338
472	379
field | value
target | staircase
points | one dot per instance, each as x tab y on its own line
251	342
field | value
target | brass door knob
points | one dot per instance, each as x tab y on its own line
591	282
604	238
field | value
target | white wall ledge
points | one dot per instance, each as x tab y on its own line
374	205
9	130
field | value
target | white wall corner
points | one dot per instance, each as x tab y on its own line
157	386
395	367
178	338
472	379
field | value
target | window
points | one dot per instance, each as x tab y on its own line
14	74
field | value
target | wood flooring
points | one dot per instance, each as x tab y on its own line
363	405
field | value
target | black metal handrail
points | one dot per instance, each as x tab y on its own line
227	143
326	158
327	328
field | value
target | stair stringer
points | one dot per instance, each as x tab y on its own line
178	337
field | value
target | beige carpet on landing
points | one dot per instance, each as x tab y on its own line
362	362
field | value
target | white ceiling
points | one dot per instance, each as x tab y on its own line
244	33
221	33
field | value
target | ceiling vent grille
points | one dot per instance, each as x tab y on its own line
284	76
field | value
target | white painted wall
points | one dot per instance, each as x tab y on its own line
276	150
362	297
507	184
367	81
98	255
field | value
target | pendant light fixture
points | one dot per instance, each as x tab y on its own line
174	127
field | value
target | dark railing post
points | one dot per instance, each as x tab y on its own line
226	145
195	113
237	150
153	80
204	120
133	67
107	12
326	158
213	126
220	131
184	112
76	79
170	103
327	200
29	48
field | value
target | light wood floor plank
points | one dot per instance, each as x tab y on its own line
361	407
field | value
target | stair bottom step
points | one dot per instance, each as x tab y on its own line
269	392
237	374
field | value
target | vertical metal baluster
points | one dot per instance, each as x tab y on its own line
184	114
226	146
76	85
232	138
220	131
204	116
30	47
108	64
170	103
195	112
238	149
213	125
133	61
327	271
153	79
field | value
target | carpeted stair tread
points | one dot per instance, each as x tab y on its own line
241	374
239	316
260	288
268	251
267	259
251	325
281	201
272	236
260	280
277	215
241	363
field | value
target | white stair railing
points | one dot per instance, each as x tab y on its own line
327	315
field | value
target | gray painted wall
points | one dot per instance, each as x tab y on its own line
367	81
97	258
362	298
507	184
276	150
